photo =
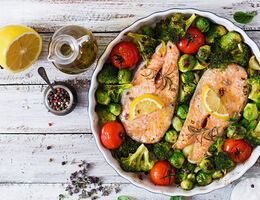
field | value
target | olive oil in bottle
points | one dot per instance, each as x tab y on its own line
72	49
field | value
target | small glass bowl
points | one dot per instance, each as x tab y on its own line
72	95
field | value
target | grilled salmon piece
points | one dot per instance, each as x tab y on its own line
231	86
151	127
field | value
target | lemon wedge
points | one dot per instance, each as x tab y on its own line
212	104
20	47
144	104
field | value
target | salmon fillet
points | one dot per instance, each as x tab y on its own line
231	86
151	127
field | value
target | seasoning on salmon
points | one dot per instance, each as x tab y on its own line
200	127
160	78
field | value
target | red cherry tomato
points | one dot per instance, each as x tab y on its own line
239	150
192	41
111	135
162	173
124	55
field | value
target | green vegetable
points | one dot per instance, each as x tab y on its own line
115	108
115	91
187	150
104	114
171	136
177	123
254	84
176	198
250	112
252	125
236	132
108	75
177	159
182	173
206	166
138	161
102	97
203	53
253	136
230	40
187	77
123	198
214	32
162	31
182	111
243	18
187	184
203	178
217	174
202	24
148	30
216	147
245	123
186	62
145	44
253	63
186	91
178	26
124	76
128	146
191	177
162	150
241	54
223	161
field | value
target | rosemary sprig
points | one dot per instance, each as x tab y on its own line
207	134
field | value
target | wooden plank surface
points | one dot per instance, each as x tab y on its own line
111	15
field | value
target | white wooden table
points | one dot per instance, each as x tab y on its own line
25	170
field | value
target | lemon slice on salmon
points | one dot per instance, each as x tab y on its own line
213	105
144	104
20	47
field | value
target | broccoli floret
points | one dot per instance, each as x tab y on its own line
138	161
162	30
115	91
162	150
216	147
254	84
104	114
145	44
223	161
108	75
128	146
253	136
241	54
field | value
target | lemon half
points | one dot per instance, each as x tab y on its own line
144	104
212	104
20	47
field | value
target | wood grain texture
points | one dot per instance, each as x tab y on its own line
24	162
30	76
112	15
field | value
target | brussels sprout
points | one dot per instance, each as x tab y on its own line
236	132
171	136
197	77
230	40
182	111
186	91
252	125
124	76
147	30
115	108
187	150
253	63
102	97
191	177
250	112
206	166
177	159
186	62
203	178
187	77
214	32
199	66
203	52
217	174
177	123
187	184
202	24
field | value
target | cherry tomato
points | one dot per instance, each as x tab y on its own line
112	134
162	173
239	150
192	41
124	55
